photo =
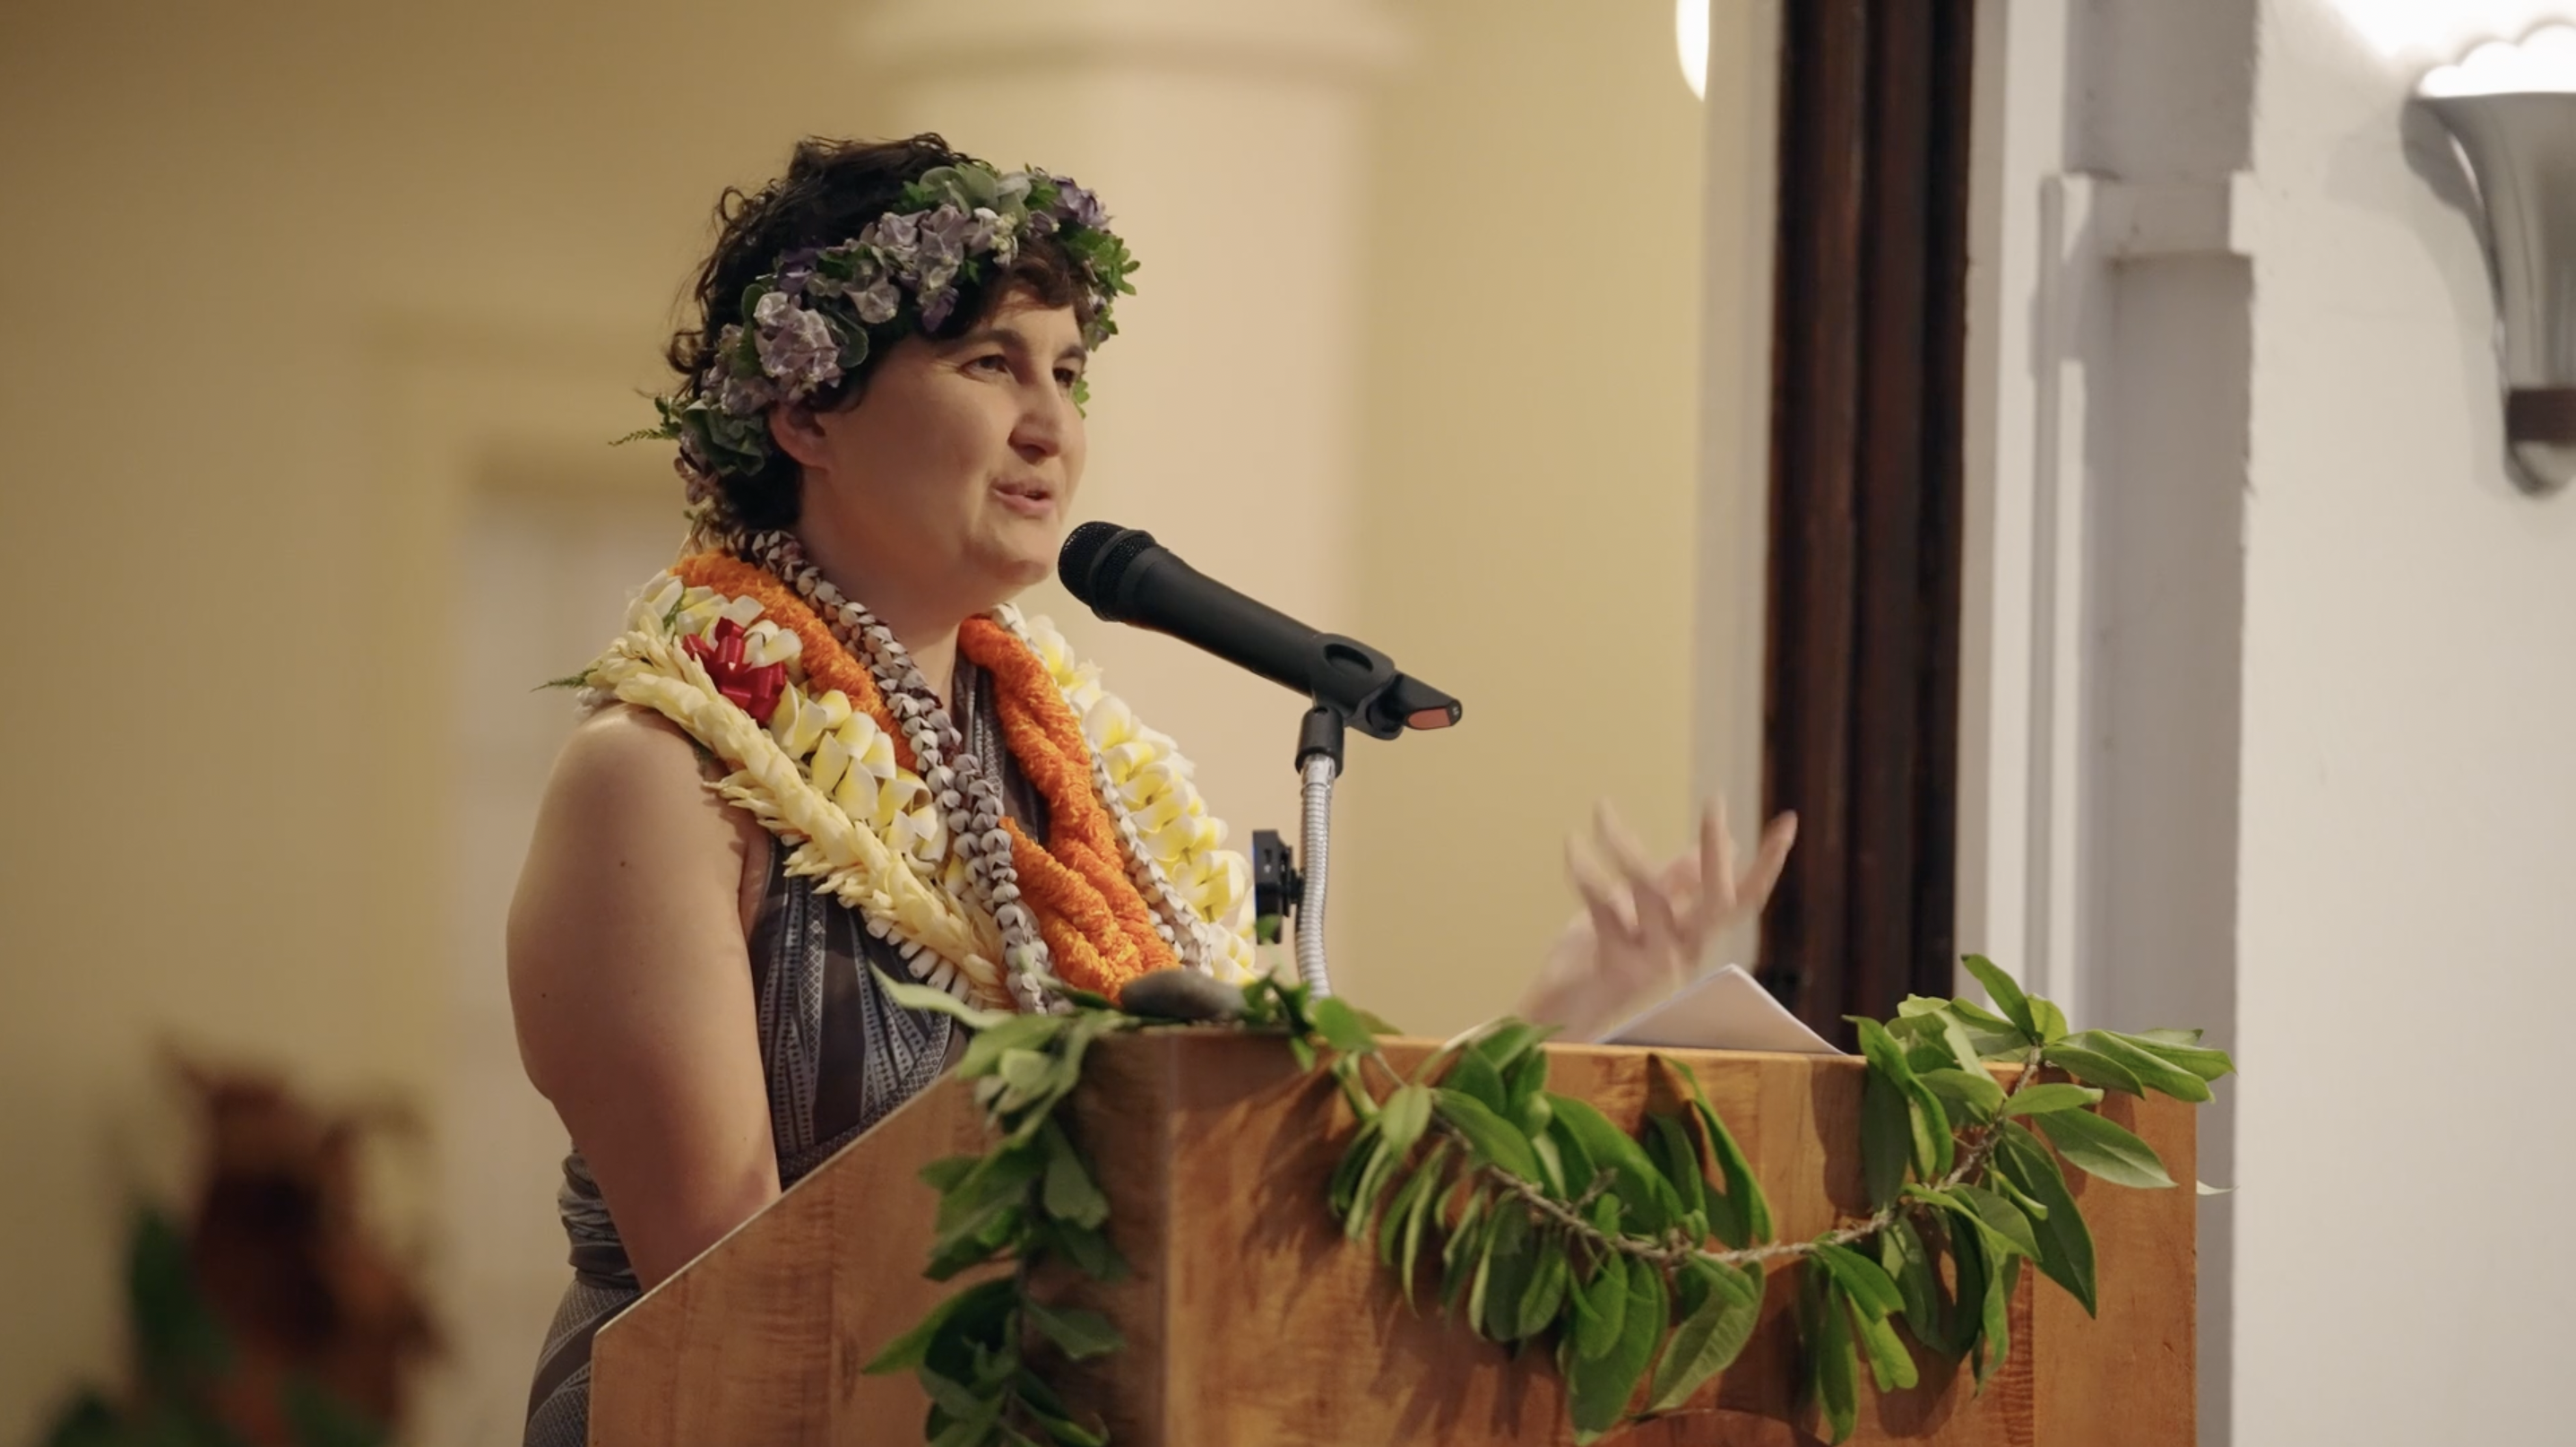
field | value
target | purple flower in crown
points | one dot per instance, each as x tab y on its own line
896	232
744	396
936	306
796	269
1079	205
944	236
797	348
879	302
1042	223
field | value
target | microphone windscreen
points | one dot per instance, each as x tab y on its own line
1095	556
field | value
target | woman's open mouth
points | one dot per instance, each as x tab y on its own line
1026	497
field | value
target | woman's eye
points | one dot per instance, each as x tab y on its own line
1065	377
992	362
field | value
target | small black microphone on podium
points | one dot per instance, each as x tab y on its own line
1123	575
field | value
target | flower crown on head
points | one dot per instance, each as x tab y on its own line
815	315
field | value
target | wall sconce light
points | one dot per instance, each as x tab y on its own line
2512	109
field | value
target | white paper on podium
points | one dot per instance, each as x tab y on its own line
1725	1009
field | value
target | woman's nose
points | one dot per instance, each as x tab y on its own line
1044	419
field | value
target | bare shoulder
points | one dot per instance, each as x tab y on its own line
630	985
624	758
633	878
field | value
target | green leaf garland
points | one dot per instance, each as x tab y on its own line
1641	1257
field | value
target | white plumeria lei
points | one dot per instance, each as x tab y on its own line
821	776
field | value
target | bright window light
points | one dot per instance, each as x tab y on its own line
2544	61
1690	34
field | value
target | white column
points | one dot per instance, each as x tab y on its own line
1226	138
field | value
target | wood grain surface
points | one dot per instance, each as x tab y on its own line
1251	1322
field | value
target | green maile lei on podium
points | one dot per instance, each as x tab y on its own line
1643	1261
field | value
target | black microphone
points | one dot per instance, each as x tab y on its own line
1123	575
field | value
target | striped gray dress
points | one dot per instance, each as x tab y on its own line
838	1053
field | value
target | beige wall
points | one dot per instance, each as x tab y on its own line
1526	508
278	281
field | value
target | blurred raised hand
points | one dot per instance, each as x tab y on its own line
1645	928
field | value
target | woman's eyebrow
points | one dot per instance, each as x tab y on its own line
1017	340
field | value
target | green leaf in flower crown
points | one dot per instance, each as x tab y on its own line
2065	1242
940	1002
2007	995
1340	1026
1711	1337
1598	1390
1069	1193
1649	1199
1080	1334
2152	1070
2092	1066
2041	1099
2100	1148
1970	1095
1493	1139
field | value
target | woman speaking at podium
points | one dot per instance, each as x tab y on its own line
827	745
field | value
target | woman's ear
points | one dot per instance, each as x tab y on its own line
798	433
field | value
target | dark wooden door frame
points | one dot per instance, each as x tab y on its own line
1860	716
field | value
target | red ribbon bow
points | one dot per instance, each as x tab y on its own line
753	690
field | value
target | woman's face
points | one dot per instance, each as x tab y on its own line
945	490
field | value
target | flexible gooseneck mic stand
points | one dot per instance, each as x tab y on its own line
1319	763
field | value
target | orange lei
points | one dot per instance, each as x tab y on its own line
1096	923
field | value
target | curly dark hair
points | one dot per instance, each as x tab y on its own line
831	191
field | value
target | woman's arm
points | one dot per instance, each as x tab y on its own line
631	985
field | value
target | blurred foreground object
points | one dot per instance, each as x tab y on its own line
267	1318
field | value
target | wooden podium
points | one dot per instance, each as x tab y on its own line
1251	1322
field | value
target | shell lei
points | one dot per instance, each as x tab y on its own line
830	777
